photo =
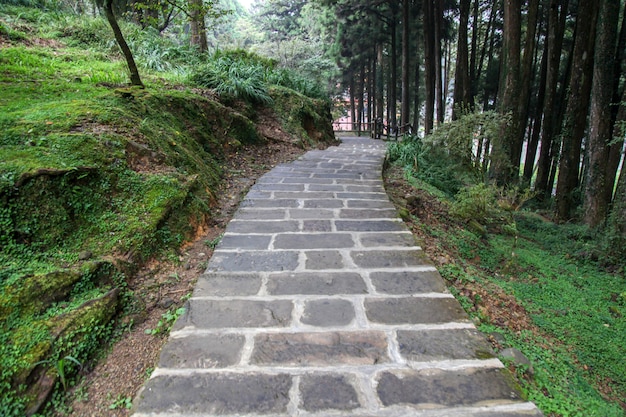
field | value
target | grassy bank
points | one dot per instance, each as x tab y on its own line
97	178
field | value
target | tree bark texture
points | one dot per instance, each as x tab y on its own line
462	88
135	79
575	122
596	201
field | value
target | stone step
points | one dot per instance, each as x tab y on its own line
318	302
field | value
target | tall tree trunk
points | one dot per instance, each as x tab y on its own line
438	22
579	91
135	79
527	71
405	109
615	149
198	27
361	97
596	201
533	143
429	67
393	85
462	88
504	167
474	51
555	41
380	83
353	120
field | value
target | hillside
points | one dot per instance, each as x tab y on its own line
100	183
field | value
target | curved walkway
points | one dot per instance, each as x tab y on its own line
317	302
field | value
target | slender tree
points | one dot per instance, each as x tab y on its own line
575	122
135	79
462	87
596	199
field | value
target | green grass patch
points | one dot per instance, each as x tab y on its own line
577	308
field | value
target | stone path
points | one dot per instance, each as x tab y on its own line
317	302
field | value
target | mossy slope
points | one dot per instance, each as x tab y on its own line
95	179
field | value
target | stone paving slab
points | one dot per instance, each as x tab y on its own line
319	302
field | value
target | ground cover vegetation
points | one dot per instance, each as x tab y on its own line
98	178
527	282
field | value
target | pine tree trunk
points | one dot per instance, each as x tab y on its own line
596	201
135	79
405	109
575	123
504	168
438	22
429	67
555	40
462	88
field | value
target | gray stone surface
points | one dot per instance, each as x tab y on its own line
390	258
324	259
369	225
317	302
227	284
387	239
313	241
407	282
253	261
320	283
328	313
327	392
254	242
327	348
414	310
434	387
216	314
216	394
437	345
202	351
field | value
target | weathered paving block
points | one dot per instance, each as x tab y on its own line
318	283
214	314
367	213
328	313
373	204
258	261
326	392
320	349
326	187
519	413
216	394
262	214
324	259
311	214
279	187
369	226
260	226
202	351
363	196
308	181
254	242
407	282
365	188
387	239
316	226
450	388
431	345
328	203
313	241
223	285
304	194
279	203
414	310
395	258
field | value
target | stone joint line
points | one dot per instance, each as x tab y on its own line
319	302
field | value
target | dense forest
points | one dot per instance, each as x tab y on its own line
118	117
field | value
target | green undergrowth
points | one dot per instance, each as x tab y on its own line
95	179
577	343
